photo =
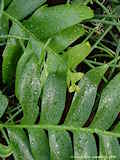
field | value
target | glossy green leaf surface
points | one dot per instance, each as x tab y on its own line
47	21
56	63
109	105
7	2
84	146
28	86
22	8
77	54
20	144
109	147
39	144
63	39
53	98
83	101
5	151
60	145
38	49
59	108
3	103
11	54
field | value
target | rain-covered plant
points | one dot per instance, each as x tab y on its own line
56	104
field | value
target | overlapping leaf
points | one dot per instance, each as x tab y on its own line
109	147
109	105
83	101
60	145
53	100
11	55
39	144
63	39
84	146
28	86
22	8
60	25
47	21
20	144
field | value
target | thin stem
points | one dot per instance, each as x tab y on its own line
105	50
107	11
89	64
63	127
103	35
12	117
13	109
5	136
105	22
100	55
89	35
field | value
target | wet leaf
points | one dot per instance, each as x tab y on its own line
22	8
83	101
109	147
28	86
20	144
47	21
11	54
77	54
56	63
84	146
109	105
39	144
60	145
53	98
63	39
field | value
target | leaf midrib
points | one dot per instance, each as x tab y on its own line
62	127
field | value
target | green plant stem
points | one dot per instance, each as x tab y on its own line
105	22
12	117
107	11
89	35
107	49
101	55
110	54
103	35
5	136
62	127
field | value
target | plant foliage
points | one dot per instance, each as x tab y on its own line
45	48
